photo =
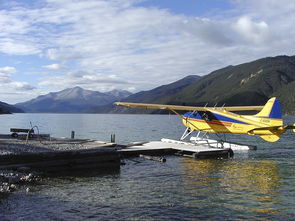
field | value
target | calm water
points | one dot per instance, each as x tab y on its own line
255	185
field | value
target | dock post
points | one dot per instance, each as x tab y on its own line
113	138
72	134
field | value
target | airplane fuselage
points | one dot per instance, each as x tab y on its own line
214	123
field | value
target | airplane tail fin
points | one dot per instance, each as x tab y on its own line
272	109
273	112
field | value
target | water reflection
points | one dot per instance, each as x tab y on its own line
243	185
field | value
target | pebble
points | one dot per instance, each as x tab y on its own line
14	179
9	179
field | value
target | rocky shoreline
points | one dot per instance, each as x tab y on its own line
12	180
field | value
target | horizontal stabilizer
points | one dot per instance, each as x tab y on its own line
290	127
270	138
264	128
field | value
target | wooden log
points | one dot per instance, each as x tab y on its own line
137	152
154	158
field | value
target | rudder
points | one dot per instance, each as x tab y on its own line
272	109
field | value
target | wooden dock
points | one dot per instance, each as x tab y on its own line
58	156
66	155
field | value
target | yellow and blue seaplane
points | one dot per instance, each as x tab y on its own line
267	123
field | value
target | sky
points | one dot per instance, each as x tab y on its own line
135	45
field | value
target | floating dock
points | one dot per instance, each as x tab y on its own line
168	146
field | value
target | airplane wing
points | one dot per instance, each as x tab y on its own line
187	108
223	111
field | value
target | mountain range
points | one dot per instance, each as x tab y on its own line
8	108
245	84
250	83
71	100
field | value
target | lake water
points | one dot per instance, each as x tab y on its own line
254	185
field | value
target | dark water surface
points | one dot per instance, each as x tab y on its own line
255	185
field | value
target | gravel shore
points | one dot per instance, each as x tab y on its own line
11	180
16	146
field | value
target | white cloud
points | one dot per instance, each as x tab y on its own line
54	67
8	86
5	74
21	86
11	90
15	91
252	32
17	47
141	47
4	78
64	54
86	79
8	69
10	23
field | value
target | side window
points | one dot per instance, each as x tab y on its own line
195	113
208	116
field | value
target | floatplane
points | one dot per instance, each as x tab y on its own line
267	123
